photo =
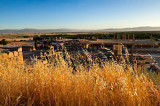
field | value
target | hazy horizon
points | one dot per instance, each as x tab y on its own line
78	14
81	29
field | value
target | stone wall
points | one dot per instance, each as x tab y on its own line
117	49
28	48
16	57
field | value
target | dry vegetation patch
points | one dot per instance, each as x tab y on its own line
56	83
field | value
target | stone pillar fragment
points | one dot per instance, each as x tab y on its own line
133	37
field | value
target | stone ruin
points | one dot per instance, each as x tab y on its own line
9	54
28	48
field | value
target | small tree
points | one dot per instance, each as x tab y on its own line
4	42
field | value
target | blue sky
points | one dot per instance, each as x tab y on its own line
78	14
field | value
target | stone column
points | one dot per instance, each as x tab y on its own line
125	36
133	37
151	37
117	36
114	36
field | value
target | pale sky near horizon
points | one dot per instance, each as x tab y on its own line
78	14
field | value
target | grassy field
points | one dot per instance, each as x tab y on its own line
56	83
27	42
18	39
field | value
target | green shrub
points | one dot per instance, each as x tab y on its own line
4	42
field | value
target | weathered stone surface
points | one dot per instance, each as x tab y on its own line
10	55
20	53
19	49
14	57
4	55
15	53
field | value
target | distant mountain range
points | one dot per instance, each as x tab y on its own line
27	30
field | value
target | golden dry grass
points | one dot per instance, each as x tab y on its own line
22	43
55	84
